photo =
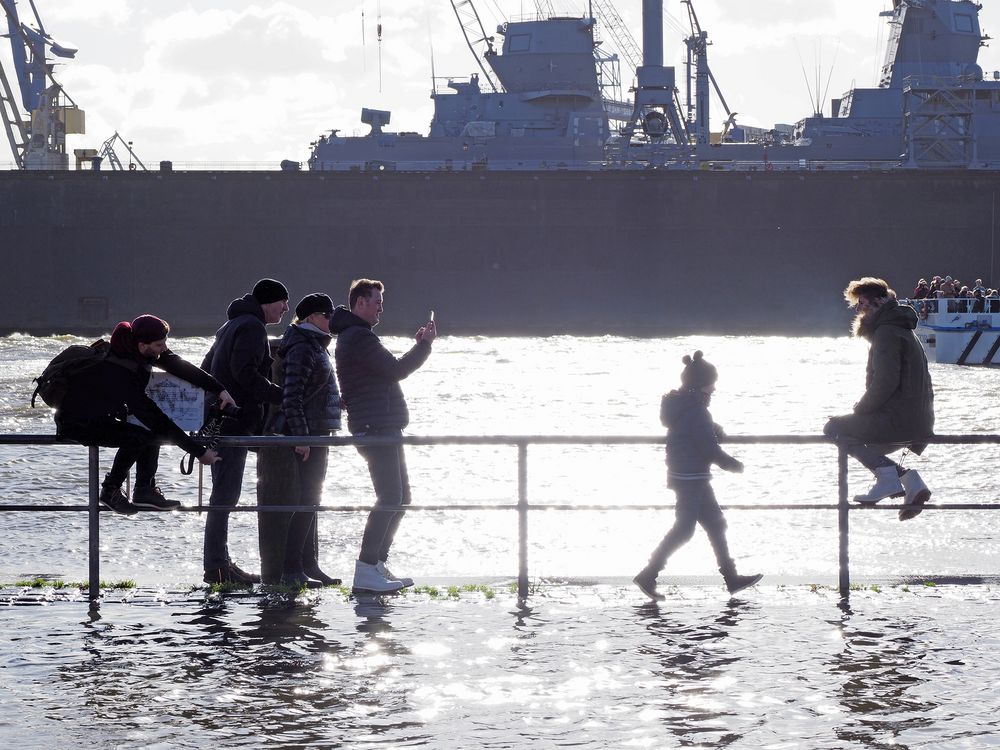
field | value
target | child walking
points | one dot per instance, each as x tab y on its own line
692	447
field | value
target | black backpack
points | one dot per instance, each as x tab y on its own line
54	381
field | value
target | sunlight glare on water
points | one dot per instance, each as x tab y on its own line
557	386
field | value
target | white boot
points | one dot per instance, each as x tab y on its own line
382	568
367	578
917	494
887	484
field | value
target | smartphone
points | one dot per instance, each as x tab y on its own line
432	316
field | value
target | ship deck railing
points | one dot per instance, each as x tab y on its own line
521	505
953	305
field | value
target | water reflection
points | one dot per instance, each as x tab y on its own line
881	673
697	672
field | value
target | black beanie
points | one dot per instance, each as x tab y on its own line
267	291
698	372
149	328
313	303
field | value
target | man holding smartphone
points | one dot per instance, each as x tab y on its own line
369	376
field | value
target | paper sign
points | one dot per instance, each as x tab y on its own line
182	402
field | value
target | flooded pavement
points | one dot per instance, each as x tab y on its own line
784	666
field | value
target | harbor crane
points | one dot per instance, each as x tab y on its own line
475	34
108	153
38	137
699	71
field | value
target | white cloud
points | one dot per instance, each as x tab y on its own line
221	80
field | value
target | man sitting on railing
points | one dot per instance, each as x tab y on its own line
897	408
100	399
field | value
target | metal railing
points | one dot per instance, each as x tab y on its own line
522	506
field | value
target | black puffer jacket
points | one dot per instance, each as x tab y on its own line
369	374
116	389
310	403
692	437
898	403
240	360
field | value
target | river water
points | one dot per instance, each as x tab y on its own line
589	663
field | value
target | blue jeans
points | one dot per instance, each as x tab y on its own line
696	505
227	483
387	467
857	445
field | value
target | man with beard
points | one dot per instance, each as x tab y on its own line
100	399
240	359
897	408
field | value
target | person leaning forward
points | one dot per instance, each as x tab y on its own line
369	376
100	399
897	408
240	360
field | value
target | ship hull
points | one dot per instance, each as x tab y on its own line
603	252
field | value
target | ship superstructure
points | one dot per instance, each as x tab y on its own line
549	112
932	108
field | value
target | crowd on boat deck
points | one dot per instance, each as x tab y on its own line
958	296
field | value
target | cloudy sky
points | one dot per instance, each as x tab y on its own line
243	81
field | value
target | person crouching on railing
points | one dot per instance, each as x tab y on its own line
692	448
99	401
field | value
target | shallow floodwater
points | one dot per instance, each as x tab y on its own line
589	664
589	667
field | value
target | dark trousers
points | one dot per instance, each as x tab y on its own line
300	545
136	446
227	484
696	504
867	453
387	467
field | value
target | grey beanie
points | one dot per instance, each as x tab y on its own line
698	372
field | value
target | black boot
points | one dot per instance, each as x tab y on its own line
113	498
736	583
310	560
646	581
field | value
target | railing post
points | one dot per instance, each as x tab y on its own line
843	511
94	513
522	521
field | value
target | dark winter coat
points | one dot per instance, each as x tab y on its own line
310	403
692	437
898	404
369	374
110	390
240	359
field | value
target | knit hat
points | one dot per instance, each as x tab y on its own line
267	291
313	303
698	372
148	328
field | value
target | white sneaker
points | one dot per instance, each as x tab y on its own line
382	568
367	578
917	494
887	484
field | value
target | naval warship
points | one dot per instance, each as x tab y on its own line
539	203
